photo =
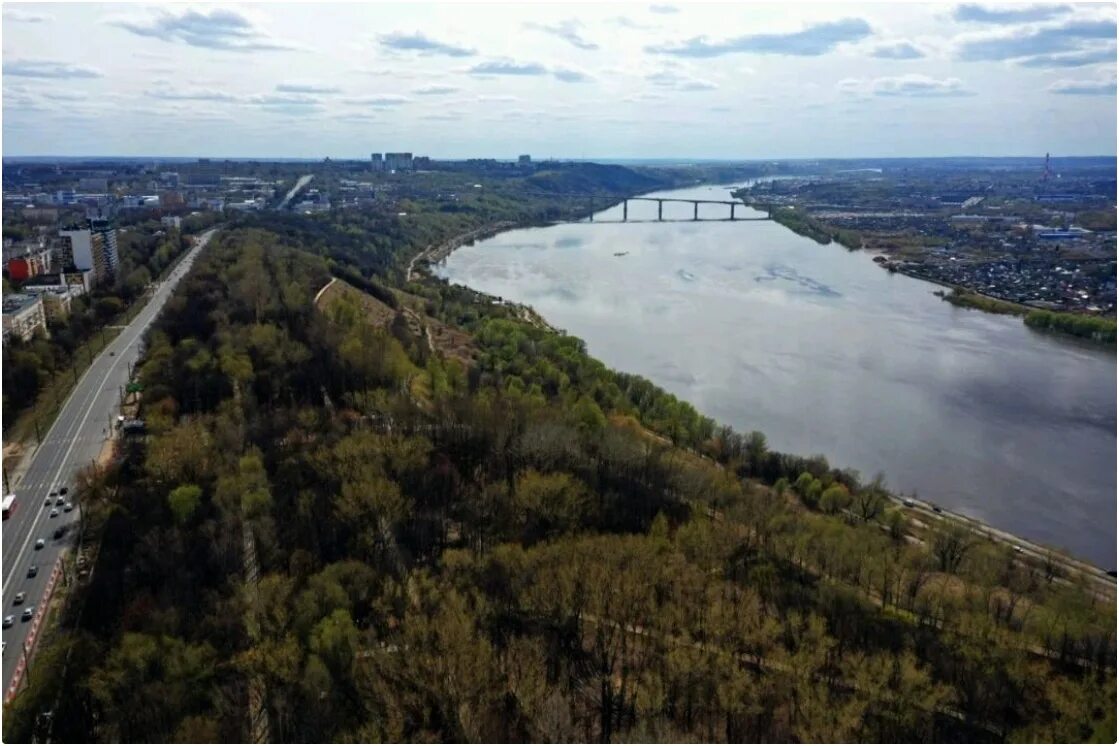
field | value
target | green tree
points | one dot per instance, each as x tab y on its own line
184	501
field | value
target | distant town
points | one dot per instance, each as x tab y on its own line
61	220
1037	232
1040	233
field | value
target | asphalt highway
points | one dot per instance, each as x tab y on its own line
75	439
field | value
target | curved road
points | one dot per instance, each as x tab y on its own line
77	437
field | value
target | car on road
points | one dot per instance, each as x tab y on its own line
936	509
9	621
19	598
63	490
40	543
908	503
60	500
1018	549
54	512
27	613
50	499
67	507
60	532
32	571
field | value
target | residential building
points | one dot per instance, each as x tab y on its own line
108	233
91	248
171	221
77	281
24	314
28	260
56	298
377	161
398	161
524	159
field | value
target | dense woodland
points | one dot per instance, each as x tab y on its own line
377	542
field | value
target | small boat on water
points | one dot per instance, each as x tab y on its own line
620	253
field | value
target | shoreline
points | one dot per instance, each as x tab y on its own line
926	509
1056	323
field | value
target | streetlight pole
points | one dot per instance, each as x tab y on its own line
26	665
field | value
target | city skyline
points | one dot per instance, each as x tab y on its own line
621	81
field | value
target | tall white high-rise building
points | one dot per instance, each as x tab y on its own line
93	247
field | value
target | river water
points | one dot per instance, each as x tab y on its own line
825	352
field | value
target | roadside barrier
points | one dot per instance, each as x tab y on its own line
37	623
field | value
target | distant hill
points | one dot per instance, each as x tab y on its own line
595	178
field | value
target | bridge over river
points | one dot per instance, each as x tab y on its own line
607	200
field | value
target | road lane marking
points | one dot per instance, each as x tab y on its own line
94	395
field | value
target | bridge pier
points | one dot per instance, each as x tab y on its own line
590	204
695	211
660	209
732	206
625	210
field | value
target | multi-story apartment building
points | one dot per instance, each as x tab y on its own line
398	161
23	315
93	247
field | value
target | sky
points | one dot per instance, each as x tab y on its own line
570	80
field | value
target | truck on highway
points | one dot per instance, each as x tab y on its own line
9	506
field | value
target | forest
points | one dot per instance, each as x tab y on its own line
334	532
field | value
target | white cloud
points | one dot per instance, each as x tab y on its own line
915	86
435	90
383	100
14	15
24	68
217	29
1097	87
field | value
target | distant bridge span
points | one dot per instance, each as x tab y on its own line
610	200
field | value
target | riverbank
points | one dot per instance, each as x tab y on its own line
1008	538
1094	329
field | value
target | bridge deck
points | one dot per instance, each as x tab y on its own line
688	201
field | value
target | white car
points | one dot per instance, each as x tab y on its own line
9	621
54	512
40	543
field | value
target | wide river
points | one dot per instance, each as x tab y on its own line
825	352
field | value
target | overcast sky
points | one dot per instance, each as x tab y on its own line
563	80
